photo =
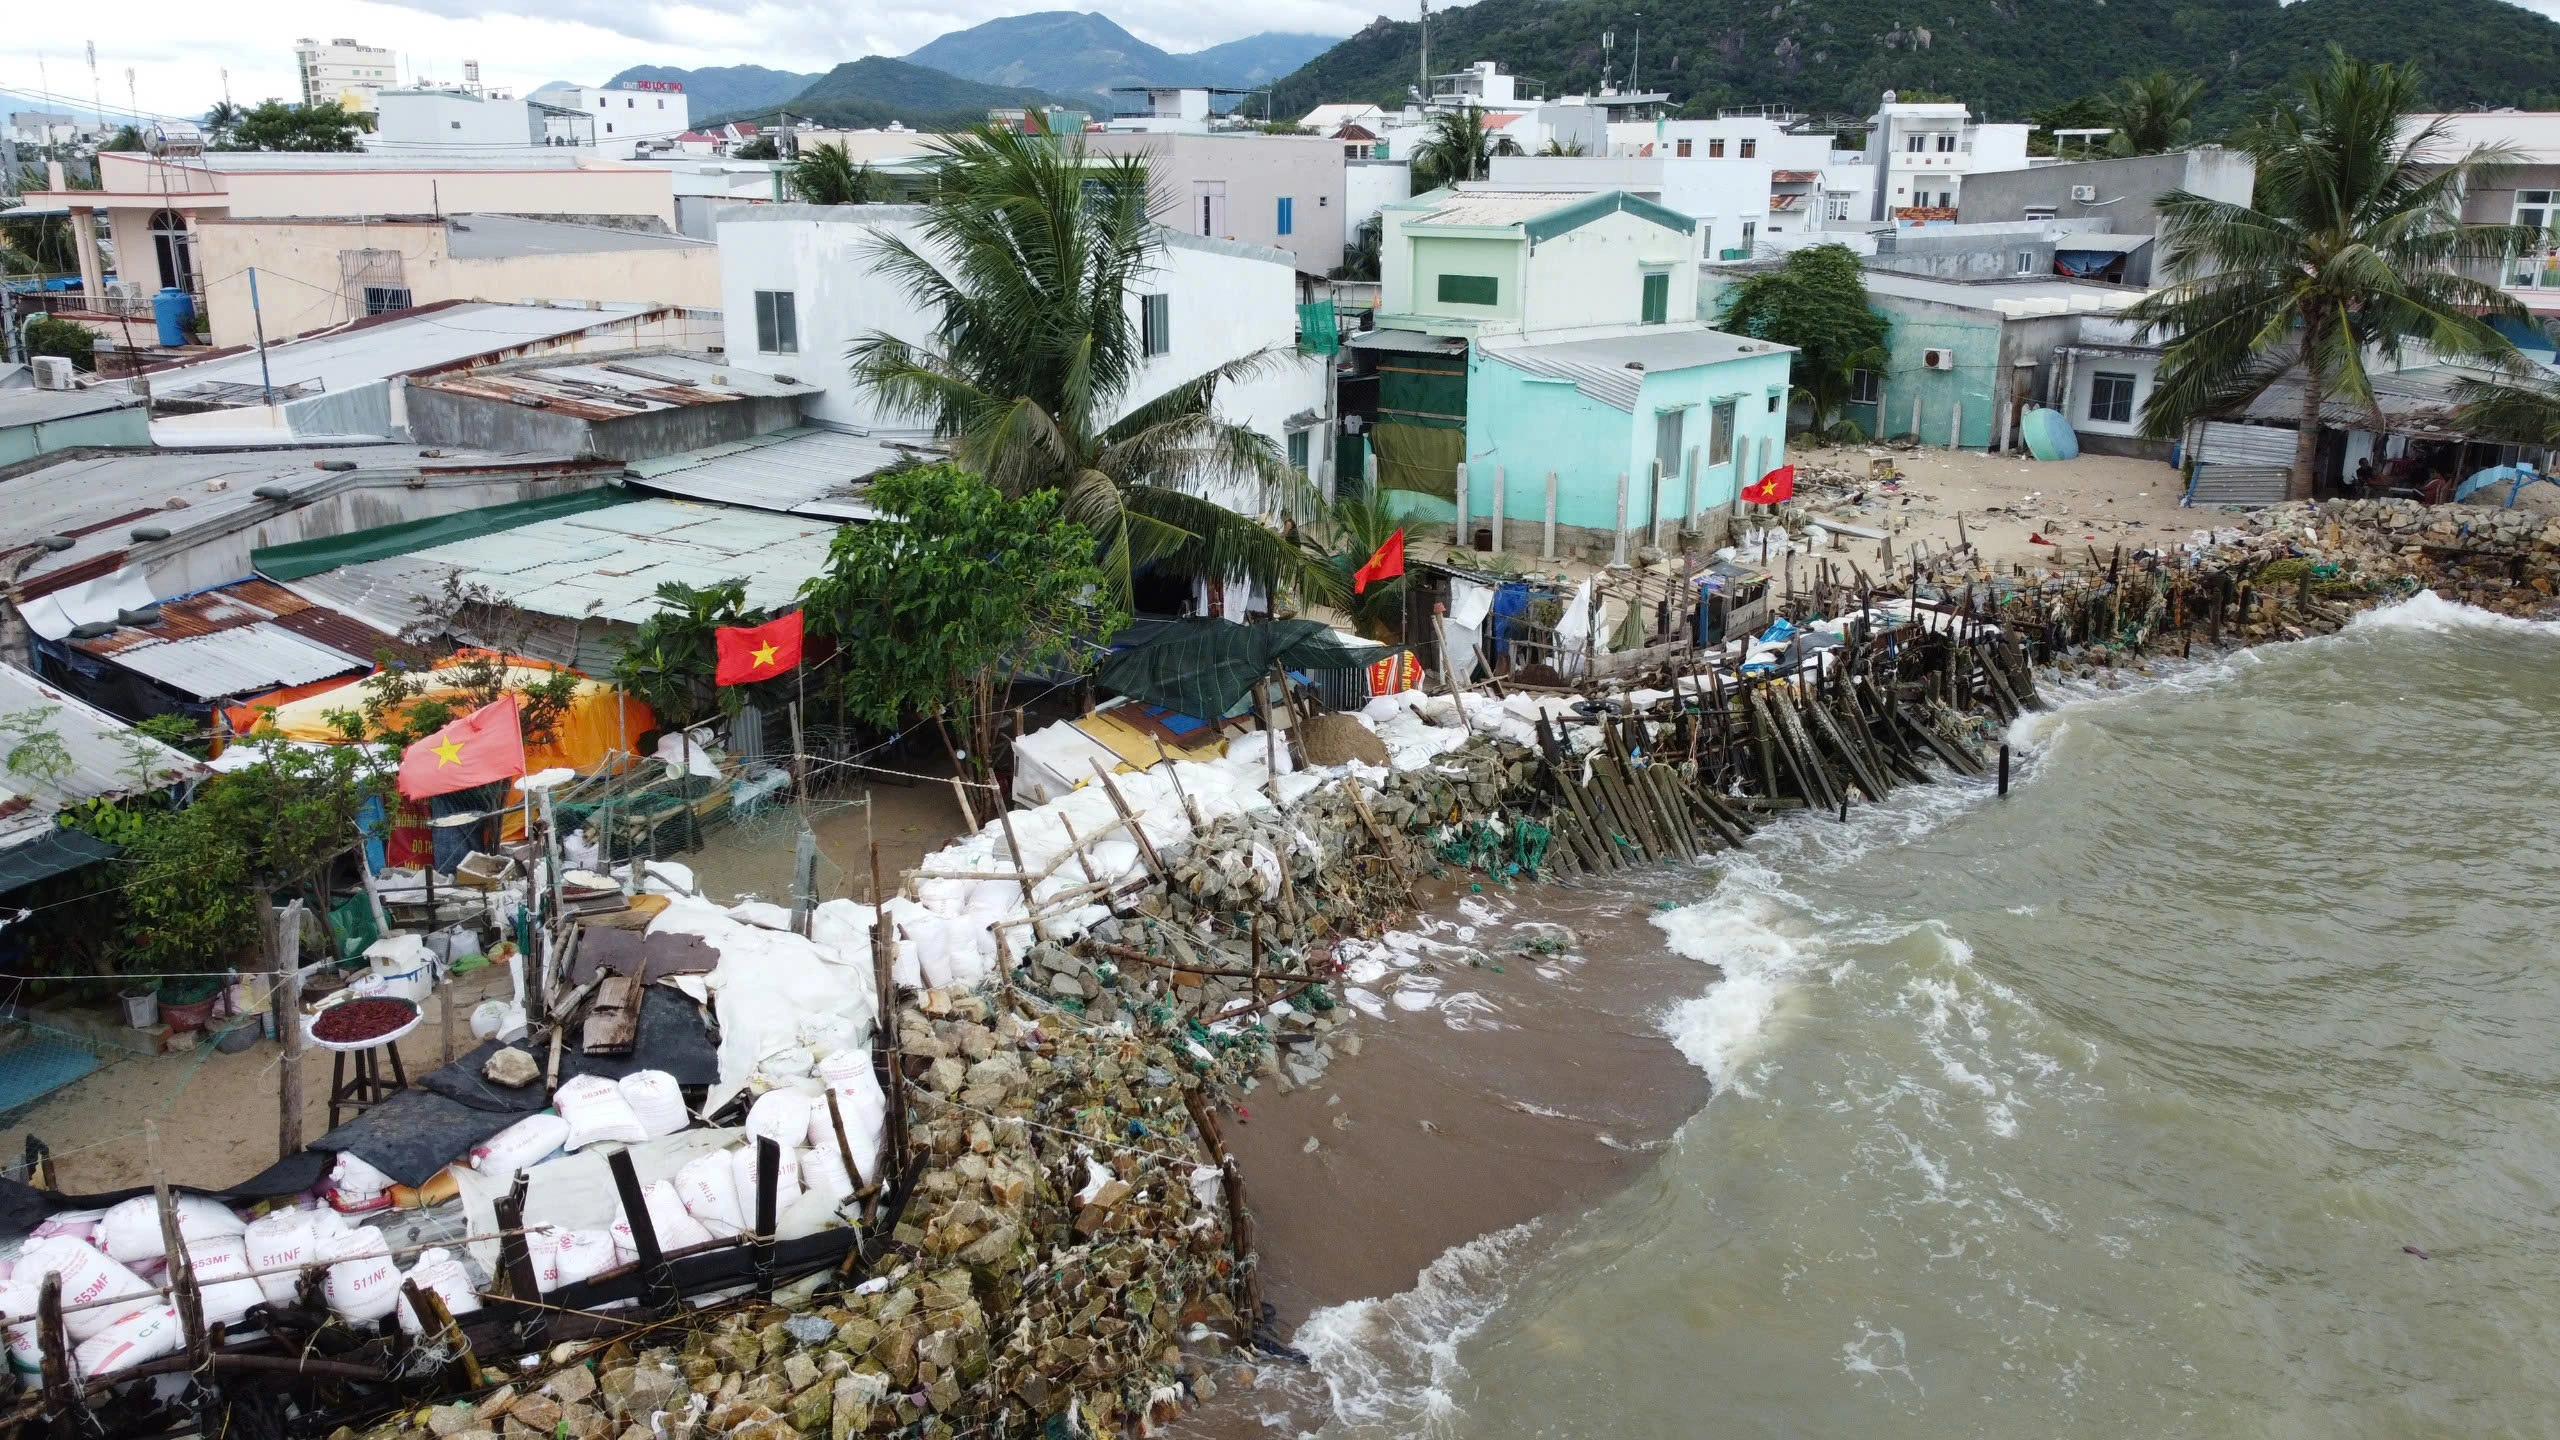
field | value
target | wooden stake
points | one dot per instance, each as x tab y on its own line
181	1269
1146	847
288	1012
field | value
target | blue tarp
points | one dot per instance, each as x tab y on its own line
2505	481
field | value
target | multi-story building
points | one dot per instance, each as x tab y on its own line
1728	197
2525	190
1284	192
1920	154
344	72
632	116
418	119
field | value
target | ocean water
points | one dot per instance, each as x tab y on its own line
2120	1106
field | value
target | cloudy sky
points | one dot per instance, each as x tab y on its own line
179	49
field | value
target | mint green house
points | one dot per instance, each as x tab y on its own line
1542	384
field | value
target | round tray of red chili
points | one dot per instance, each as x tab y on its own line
362	1022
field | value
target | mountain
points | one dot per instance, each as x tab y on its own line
725	87
2004	57
1087	54
875	90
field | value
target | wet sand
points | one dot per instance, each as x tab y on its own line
1460	1120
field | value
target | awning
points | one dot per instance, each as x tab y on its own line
302	559
58	851
1205	667
1408	341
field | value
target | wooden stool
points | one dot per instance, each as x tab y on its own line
366	1088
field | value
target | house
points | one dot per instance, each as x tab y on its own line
696	142
190	654
2114	203
1921	154
1358	143
409	118
1968	358
1167	109
1729	197
1527	122
798	287
630	116
1325	119
154	204
2524	191
1538	377
628	407
344	73
320	271
1283	192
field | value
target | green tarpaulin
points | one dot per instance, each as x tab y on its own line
1206	667
55	852
1419	458
310	557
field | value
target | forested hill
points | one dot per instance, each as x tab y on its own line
2004	57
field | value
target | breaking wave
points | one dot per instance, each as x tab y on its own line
1392	1364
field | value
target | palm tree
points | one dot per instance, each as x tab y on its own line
826	175
2353	249
1561	147
1033	256
221	120
1460	146
1343	538
2152	114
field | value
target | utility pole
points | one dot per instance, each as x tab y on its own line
1635	66
97	92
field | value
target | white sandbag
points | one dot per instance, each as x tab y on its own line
786	1180
130	1230
145	1334
709	1187
26	1347
364	1283
828	1031
88	1277
822	1172
576	1257
781	1116
222	1274
674	1226
518	1146
275	1240
860	1101
596	1112
657	1100
80	1225
441	1271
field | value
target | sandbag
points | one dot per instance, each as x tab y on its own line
596	1112
355	1187
709	1187
674	1226
564	1256
364	1283
281	1238
862	1104
441	1271
657	1100
781	1116
822	1172
222	1275
88	1276
519	1146
80	1225
26	1347
786	1180
130	1230
145	1334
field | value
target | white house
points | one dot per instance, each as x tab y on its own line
1165	110
798	288
1920	153
634	113
414	119
1729	198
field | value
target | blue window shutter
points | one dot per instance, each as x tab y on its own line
1286	205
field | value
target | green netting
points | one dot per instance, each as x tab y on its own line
310	557
1419	458
1205	667
1319	332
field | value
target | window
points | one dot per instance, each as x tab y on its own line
1682	149
2037	212
2026	262
1946	200
1288	208
1470	290
1915	143
777	322
1155	324
1750	148
1667	428
1720	433
601	102
1774	397
630	104
662	104
1750	232
2539	265
383	299
1657	297
1715	149
608	127
456	124
1298	451
2111	397
1946	144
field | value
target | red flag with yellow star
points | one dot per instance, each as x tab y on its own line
758	652
485	745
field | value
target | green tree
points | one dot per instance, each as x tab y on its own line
1033	259
1458	145
2152	114
1816	302
935	609
1360	257
2089	112
1343	539
674	656
760	148
126	138
73	341
274	125
2353	250
222	121
826	175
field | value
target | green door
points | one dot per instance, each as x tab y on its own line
1657	298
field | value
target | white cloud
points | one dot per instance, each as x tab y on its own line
179	51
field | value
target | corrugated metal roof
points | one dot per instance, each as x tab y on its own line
610	388
243	660
35	407
800	472
1499	207
2421	400
1611	369
107	757
250	604
362	354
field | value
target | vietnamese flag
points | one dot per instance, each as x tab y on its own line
485	745
758	652
1773	488
1387	564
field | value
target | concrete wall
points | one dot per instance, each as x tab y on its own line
2532	279
1368	184
1432	256
409	119
440	417
1593	275
128	426
1258	171
1771	144
1723	196
2126	188
301	265
1227	302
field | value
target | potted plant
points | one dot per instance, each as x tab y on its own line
187	1001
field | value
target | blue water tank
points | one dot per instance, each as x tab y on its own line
173	308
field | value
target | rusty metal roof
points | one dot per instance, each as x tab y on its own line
268	636
610	388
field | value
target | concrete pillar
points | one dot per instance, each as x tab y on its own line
1547	549
1915	421
1661	541
84	234
1618	549
1461	539
2000	424
1499	498
1689	507
1955	426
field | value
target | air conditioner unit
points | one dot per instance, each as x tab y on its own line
52	372
1938	359
2084	193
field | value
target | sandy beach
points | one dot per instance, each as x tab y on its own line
2000	501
